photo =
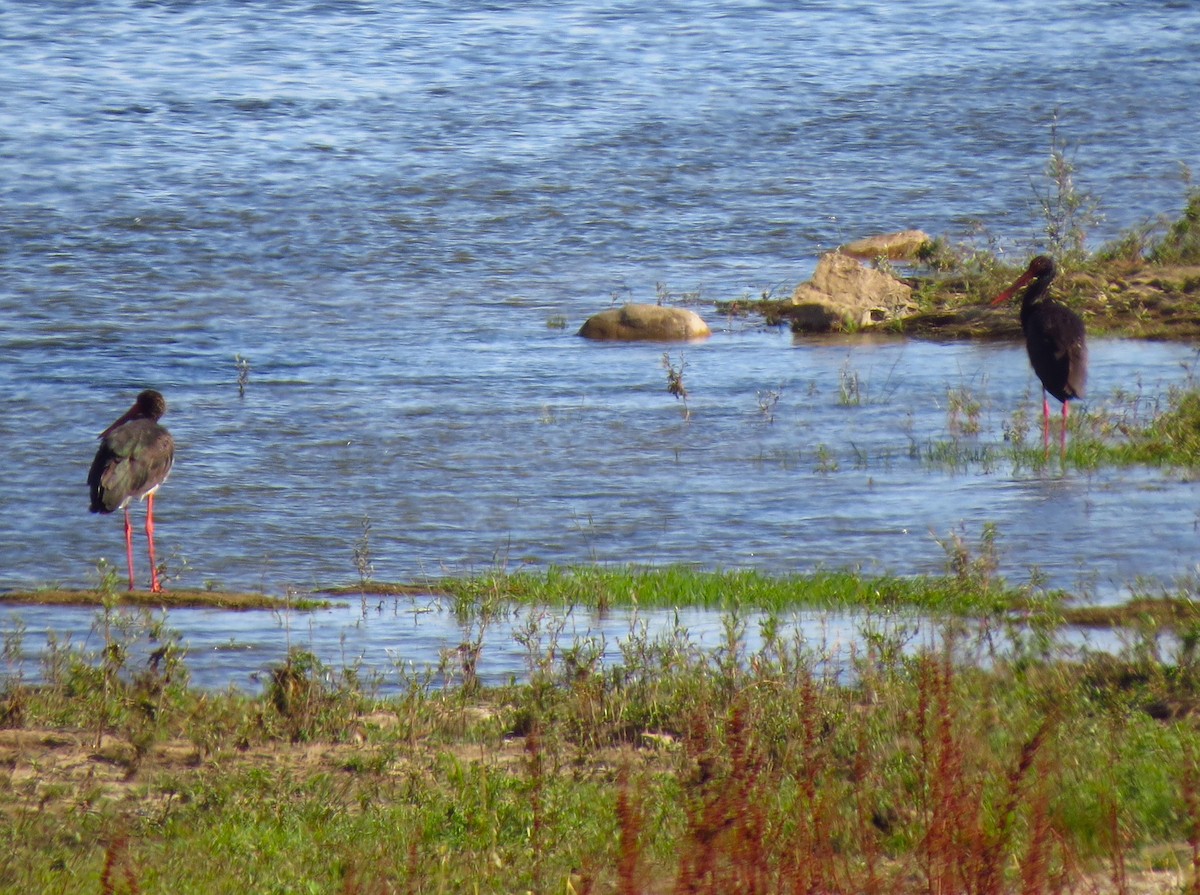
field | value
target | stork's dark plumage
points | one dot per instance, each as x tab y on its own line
134	459
1054	337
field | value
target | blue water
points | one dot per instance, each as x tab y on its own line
399	214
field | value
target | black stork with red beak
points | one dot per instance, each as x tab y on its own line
134	459
1055	339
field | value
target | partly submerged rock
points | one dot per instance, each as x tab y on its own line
905	245
845	294
647	323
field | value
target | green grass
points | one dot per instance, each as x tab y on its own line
999	763
1118	433
735	590
1180	244
1117	436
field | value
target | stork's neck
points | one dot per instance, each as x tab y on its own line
1035	293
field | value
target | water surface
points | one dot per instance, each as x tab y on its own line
399	214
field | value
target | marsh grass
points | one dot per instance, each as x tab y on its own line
850	388
1128	430
1127	433
963	409
971	764
1180	244
669	587
363	564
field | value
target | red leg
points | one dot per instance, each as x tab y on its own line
1063	437
129	547
1045	421
155	587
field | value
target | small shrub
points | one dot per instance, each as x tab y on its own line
1068	211
308	698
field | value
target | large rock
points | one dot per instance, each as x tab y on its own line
646	323
846	295
903	246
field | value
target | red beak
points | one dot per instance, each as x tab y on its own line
1007	293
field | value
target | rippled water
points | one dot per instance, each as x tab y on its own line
387	210
398	643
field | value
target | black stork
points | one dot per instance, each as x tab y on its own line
1055	339
134	459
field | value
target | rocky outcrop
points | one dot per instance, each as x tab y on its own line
903	246
645	323
844	294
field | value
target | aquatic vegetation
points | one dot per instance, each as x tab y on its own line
1173	437
767	399
963	409
362	553
669	587
1117	436
957	455
826	459
243	374
850	393
675	384
1125	432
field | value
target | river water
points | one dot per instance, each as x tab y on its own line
399	214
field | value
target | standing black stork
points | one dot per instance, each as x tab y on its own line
134	458
1055	339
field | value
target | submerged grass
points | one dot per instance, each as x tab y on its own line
1125	431
1118	436
682	586
1170	439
